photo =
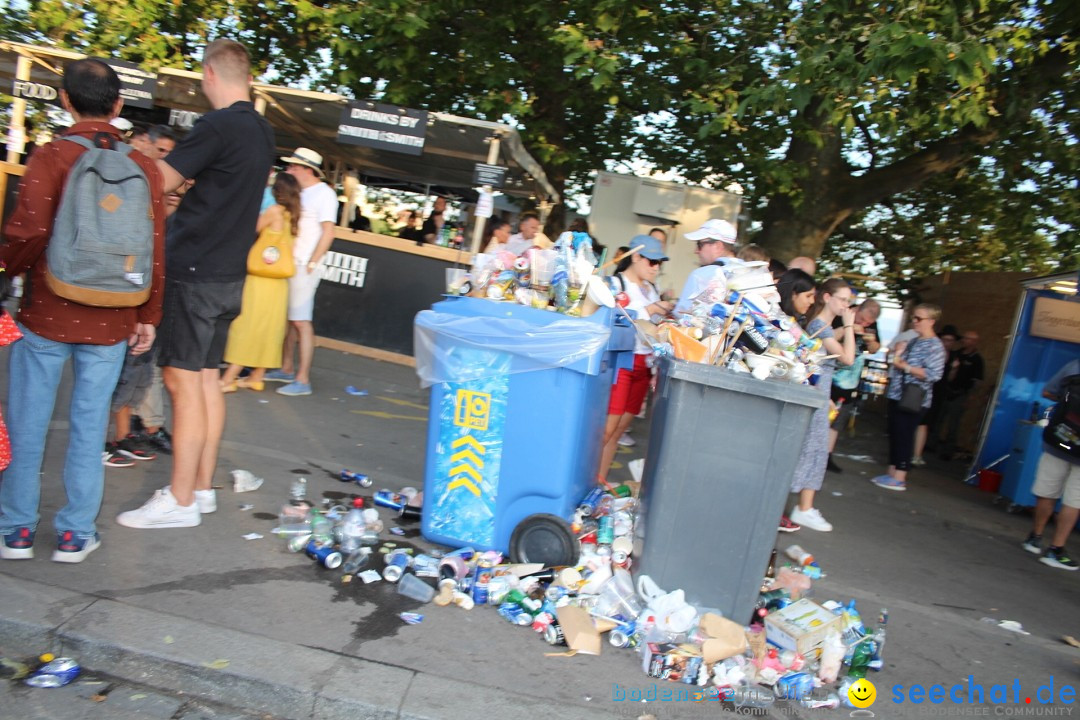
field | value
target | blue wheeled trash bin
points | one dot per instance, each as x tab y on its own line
515	423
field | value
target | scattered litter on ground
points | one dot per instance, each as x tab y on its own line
244	481
353	391
252	536
1010	625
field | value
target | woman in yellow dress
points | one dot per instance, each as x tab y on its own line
256	335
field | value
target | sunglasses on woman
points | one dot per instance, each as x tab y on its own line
654	263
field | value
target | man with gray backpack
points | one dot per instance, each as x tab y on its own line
89	232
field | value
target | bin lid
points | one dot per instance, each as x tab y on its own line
725	379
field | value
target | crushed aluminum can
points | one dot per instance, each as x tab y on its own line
358	478
56	673
553	634
411	618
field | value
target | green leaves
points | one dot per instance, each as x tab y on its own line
797	102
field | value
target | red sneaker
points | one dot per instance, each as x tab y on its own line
787	526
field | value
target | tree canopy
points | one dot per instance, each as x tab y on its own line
934	134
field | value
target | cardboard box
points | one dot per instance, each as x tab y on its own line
801	626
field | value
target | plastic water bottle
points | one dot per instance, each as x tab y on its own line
322	530
352	527
876	663
298	491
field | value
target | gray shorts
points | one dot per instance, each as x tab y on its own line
135	379
1057	478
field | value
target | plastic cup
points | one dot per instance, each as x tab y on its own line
618	597
454	278
413	587
542	263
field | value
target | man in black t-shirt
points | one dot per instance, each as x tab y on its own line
962	376
229	154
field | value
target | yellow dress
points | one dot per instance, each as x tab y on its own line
256	335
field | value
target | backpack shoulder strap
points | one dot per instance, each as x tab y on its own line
622	281
79	140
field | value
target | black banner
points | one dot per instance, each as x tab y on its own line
137	86
369	295
386	127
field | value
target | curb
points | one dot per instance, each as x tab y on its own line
262	675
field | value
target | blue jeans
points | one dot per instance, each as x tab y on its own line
33	378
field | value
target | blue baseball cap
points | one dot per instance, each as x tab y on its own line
652	250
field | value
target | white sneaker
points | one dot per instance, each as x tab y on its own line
918	461
161	511
206	501
627	441
810	519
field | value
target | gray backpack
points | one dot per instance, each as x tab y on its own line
101	252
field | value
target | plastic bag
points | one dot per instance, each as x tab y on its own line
439	339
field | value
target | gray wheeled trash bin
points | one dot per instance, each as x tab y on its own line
722	451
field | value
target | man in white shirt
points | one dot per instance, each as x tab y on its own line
528	235
315	234
715	240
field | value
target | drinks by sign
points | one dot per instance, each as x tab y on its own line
35	91
386	127
493	175
137	86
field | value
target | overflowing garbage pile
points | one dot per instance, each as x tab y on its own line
560	277
735	322
793	648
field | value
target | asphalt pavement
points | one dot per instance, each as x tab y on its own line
202	622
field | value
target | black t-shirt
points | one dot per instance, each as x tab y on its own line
229	153
430	228
969	370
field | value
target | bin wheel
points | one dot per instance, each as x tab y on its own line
544	539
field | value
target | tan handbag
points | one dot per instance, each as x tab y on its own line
271	255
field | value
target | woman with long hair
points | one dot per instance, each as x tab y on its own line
256	335
921	362
832	299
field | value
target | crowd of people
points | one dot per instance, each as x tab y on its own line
235	268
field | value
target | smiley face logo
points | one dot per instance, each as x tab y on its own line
862	693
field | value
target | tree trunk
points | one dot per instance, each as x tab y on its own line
799	223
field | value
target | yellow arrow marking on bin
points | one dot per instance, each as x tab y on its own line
465	483
467	454
471	442
465	470
388	416
406	403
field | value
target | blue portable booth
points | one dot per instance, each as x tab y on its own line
1045	336
515	424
